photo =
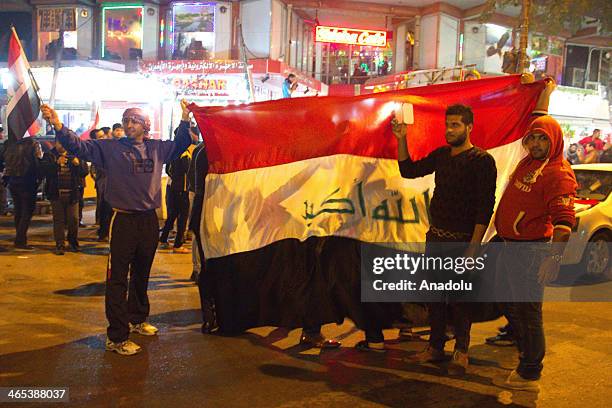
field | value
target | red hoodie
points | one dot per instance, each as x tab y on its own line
540	193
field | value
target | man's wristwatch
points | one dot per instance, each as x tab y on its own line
557	258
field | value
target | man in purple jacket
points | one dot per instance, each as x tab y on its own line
133	168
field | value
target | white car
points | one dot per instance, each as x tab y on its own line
590	242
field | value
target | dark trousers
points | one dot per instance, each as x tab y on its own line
81	202
133	242
456	314
517	270
24	202
105	215
3	197
178	210
65	213
205	283
447	310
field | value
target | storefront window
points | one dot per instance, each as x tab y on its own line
546	55
50	21
354	64
122	37
193	36
498	42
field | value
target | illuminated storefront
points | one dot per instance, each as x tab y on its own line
192	31
76	23
546	54
196	30
122	33
351	56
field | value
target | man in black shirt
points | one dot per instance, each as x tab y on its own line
461	209
177	200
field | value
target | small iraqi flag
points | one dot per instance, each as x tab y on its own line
24	103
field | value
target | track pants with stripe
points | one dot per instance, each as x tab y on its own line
133	242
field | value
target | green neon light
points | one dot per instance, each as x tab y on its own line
121	6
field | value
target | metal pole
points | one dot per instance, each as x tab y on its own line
245	61
524	39
59	50
290	33
350	64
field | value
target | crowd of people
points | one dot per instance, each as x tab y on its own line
127	169
590	149
30	167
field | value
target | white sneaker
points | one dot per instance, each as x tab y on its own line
143	328
125	348
516	382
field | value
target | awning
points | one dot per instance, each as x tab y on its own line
583	122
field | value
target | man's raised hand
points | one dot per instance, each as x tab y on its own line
185	109
398	129
50	115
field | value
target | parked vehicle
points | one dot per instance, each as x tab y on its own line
590	243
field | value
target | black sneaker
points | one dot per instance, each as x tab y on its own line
365	345
502	339
59	250
74	247
24	247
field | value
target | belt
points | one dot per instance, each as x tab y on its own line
442	233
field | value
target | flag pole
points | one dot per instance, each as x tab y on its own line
59	50
247	72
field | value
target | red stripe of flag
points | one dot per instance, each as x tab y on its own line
283	131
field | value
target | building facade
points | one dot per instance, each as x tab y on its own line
158	50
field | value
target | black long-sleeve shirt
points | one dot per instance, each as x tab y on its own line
178	172
464	194
191	179
200	172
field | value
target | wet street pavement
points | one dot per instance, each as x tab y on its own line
52	327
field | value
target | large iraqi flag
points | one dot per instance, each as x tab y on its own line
295	185
24	103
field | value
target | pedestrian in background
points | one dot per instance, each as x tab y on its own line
3	192
591	155
63	174
118	131
107	132
194	216
177	199
289	85
20	160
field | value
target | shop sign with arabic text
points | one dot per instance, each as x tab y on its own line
192	67
352	36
